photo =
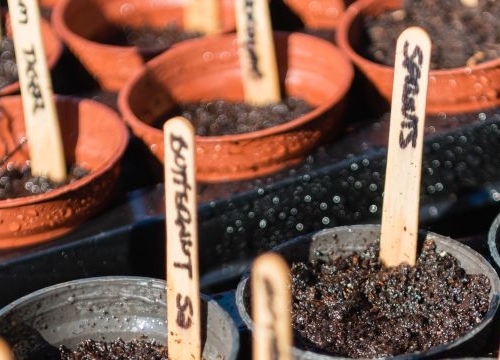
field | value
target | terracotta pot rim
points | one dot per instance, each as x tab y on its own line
355	9
343	88
121	132
52	59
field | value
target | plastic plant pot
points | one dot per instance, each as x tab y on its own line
454	90
86	126
346	240
493	240
105	308
112	65
208	69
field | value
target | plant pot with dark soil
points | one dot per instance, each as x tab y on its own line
232	145
465	60
9	81
114	38
34	209
102	316
345	304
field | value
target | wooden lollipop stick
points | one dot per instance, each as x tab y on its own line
183	283
202	16
398	239
40	115
271	308
469	3
257	53
5	351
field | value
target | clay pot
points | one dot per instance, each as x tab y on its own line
80	23
318	14
53	51
86	126
104	308
309	68
453	90
345	240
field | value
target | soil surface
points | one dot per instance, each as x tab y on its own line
147	37
460	35
137	349
8	67
220	117
357	308
18	182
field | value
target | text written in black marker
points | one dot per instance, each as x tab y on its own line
413	64
23	11
34	88
250	43
270	295
183	218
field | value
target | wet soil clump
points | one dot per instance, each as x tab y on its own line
461	35
221	117
136	349
16	182
355	307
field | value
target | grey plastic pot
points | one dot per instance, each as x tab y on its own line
104	308
345	240
493	239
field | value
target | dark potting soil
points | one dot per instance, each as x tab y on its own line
136	349
147	37
220	117
460	35
8	67
18	182
353	306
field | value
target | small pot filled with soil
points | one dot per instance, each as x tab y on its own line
9	81
464	72
116	317
201	80
34	209
114	38
346	304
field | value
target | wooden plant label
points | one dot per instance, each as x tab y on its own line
202	16
399	232
42	125
183	284
257	53
271	308
5	351
469	3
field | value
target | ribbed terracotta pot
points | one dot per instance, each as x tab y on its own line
94	138
453	90
80	22
346	240
53	50
206	69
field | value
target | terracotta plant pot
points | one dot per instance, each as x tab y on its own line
53	51
104	308
318	14
80	22
86	126
208	69
453	90
346	240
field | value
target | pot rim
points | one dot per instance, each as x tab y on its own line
356	9
305	354
492	240
343	88
121	132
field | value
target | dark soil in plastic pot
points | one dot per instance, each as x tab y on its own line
355	307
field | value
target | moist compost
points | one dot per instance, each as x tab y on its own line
460	35
16	182
8	67
136	349
221	117
355	307
147	37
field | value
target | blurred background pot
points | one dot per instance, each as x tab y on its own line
82	24
53	51
346	240
104	308
208	69
86	126
452	90
493	241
